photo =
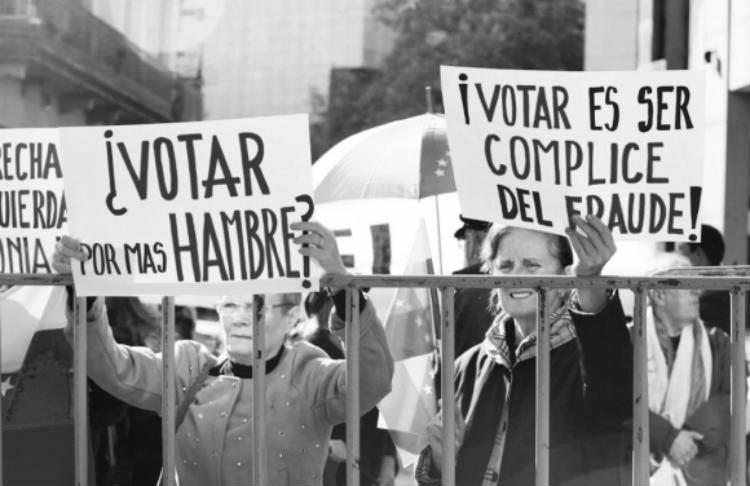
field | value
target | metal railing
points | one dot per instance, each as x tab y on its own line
734	280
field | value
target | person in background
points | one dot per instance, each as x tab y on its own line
472	306
714	304
377	462
689	385
472	309
305	389
126	440
591	370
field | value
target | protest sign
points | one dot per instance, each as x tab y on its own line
32	204
533	148
190	208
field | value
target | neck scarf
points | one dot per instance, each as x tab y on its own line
678	381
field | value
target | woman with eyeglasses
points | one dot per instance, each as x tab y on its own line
305	390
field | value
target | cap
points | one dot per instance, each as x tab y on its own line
472	224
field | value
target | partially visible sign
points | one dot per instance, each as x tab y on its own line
32	204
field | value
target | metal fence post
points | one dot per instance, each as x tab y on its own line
80	394
352	386
640	391
737	461
541	437
259	394
168	396
448	391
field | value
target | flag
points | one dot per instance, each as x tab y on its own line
24	310
409	328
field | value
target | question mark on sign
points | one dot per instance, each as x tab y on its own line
306	217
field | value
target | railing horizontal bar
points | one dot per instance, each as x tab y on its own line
714	282
35	279
560	282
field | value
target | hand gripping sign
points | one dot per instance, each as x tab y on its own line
534	148
190	208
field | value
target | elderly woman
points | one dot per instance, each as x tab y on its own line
688	387
305	389
591	370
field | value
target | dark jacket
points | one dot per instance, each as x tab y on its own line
590	388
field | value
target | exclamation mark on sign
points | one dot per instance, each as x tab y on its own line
305	198
695	204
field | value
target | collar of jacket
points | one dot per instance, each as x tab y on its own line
496	345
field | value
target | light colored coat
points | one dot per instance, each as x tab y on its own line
305	397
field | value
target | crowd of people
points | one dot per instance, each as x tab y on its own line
495	382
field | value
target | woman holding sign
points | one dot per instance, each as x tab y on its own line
591	370
305	390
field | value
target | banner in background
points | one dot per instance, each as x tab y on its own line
533	148
32	205
181	208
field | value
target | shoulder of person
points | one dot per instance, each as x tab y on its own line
473	355
302	353
717	335
191	357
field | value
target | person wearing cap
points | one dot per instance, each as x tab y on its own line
714	304
472	306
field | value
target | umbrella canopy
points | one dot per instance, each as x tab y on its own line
406	158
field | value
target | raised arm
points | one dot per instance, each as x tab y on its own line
323	378
131	373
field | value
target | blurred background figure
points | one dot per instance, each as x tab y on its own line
689	386
378	465
715	309
126	440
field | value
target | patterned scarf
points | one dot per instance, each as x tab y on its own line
496	346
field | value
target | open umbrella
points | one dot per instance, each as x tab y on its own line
406	158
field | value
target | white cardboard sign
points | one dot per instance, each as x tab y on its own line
190	208
532	148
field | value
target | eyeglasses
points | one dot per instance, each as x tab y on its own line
232	307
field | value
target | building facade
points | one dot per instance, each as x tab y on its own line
271	58
712	35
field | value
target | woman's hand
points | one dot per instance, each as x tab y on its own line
319	243
594	248
65	249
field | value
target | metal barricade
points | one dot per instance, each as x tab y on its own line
731	279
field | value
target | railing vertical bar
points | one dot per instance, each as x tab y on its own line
2	482
80	393
352	386
738	466
640	391
168	395
541	437
448	392
259	395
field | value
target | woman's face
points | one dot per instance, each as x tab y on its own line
524	252
235	313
